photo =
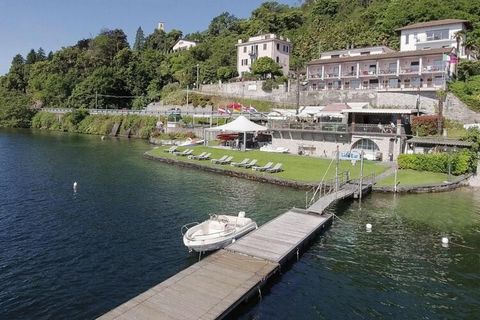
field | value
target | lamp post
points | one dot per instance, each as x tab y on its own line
198	76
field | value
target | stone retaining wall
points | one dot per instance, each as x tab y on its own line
452	185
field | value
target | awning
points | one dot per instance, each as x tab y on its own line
440	142
240	124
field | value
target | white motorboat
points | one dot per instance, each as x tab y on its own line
216	232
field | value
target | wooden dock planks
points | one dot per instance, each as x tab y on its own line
213	287
278	238
208	289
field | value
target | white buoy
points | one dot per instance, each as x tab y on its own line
103	137
369	227
444	242
75	186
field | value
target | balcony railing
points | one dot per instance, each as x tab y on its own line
334	127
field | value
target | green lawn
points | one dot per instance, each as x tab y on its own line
409	177
296	168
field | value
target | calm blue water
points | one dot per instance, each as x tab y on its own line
67	255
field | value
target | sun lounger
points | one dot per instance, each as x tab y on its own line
265	167
171	149
275	168
217	160
240	164
205	157
226	161
189	152
197	157
185	152
251	164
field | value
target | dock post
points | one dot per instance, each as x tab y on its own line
361	176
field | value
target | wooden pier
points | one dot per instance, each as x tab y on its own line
213	287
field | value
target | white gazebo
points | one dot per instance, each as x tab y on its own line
240	125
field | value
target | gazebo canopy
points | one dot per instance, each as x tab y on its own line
241	124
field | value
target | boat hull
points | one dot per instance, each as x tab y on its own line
217	243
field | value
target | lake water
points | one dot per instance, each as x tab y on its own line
67	255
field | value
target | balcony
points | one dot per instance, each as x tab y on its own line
335	127
388	72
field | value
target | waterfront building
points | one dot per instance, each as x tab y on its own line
381	134
427	58
269	45
183	44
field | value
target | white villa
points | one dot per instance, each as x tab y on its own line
266	45
428	56
182	45
434	34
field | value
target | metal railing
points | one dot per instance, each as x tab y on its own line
326	187
335	127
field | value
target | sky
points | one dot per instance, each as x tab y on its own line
52	24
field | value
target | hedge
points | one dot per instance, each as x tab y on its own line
460	162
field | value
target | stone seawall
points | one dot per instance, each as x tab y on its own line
461	181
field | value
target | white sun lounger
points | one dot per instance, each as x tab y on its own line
240	164
275	168
265	167
218	160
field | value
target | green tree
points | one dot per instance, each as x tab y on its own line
139	40
266	68
16	77
31	57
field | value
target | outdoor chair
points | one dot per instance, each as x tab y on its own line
205	157
185	152
171	149
218	160
226	161
189	152
251	164
197	157
265	167
240	164
275	168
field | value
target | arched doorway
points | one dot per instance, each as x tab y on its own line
369	147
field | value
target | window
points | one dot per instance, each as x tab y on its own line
393	83
416	82
365	144
437	35
264	46
372	69
335	56
244	49
286	47
407	36
278	46
438	81
414	66
438	65
365	53
392	67
278	60
355	84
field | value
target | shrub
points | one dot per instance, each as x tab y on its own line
459	162
425	125
269	84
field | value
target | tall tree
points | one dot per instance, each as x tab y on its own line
41	54
16	79
139	40
31	57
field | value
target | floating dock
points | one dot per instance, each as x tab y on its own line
213	287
